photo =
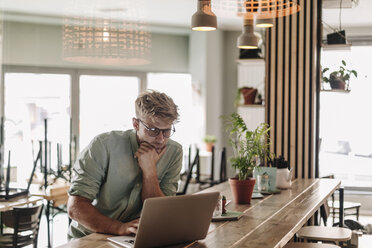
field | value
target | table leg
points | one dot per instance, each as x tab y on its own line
341	211
47	213
1	224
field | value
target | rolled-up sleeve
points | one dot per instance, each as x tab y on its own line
169	183
90	170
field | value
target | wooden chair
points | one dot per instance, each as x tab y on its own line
196	162
25	223
309	245
350	209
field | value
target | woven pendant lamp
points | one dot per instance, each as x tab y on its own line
107	40
256	9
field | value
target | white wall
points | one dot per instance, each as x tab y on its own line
213	65
231	54
40	45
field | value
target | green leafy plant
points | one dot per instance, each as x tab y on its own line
250	147
237	97
210	139
341	75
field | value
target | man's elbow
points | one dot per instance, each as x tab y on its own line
71	207
75	204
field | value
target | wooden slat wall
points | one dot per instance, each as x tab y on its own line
291	70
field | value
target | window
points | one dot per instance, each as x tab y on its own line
345	121
106	104
179	87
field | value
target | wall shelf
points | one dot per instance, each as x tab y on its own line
330	47
251	105
251	61
335	90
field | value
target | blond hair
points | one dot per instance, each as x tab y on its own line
156	105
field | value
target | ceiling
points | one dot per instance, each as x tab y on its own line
170	13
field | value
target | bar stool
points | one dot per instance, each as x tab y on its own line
325	233
309	245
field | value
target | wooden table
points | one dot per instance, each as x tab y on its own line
269	222
19	201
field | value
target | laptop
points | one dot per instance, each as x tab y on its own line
172	220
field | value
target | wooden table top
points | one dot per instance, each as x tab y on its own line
269	222
10	204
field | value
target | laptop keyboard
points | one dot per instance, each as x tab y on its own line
130	241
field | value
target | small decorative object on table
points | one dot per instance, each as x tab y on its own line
283	174
263	182
223	204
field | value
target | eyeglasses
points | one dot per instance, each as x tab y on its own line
153	131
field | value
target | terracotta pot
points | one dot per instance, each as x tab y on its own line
208	146
249	94
242	189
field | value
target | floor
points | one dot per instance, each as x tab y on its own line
366	240
61	227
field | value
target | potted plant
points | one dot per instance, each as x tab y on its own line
249	95
209	142
340	78
251	148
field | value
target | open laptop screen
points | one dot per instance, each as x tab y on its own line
173	220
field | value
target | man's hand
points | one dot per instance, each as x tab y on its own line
81	209
147	157
128	228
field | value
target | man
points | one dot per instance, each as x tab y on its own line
119	170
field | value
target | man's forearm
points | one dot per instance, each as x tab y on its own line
81	210
150	187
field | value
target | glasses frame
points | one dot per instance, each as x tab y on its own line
158	130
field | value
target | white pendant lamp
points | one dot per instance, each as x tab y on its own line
247	40
204	19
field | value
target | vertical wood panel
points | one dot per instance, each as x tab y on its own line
286	96
300	95
279	91
318	11
272	86
306	89
293	93
292	87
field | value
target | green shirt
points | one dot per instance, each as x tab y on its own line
107	173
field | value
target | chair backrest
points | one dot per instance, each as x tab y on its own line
22	219
223	162
196	163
